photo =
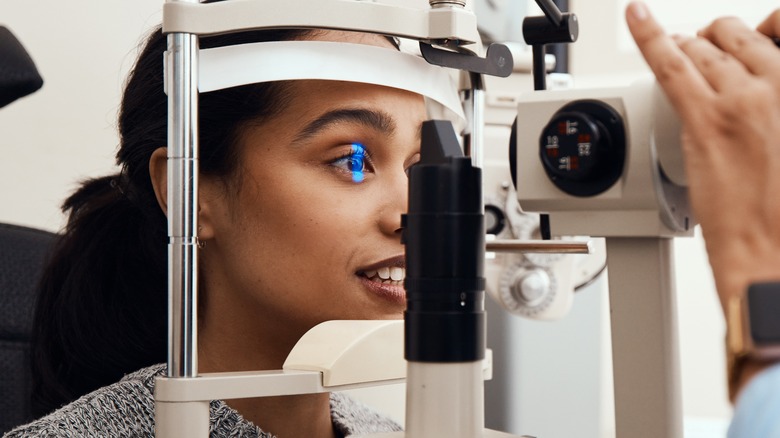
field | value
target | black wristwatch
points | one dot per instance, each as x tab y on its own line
753	329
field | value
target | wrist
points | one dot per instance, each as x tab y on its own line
753	333
734	274
749	369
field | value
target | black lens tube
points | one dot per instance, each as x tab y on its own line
444	234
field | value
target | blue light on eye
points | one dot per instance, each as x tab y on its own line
357	161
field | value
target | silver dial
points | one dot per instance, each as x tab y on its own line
527	290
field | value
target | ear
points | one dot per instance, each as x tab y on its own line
158	171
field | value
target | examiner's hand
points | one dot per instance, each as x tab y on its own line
725	85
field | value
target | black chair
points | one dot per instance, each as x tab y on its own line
23	252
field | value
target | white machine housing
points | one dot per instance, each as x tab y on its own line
638	214
649	199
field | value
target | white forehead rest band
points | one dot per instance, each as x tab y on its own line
231	66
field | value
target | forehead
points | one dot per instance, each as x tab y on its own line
319	93
311	99
340	36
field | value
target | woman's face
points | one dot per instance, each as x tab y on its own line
313	232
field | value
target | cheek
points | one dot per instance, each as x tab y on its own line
330	220
302	220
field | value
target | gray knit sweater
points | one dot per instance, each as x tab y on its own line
126	409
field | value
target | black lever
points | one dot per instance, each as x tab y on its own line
553	27
497	61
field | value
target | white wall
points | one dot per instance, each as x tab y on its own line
604	45
67	130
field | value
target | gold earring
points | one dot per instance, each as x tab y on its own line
199	243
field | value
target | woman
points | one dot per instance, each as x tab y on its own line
303	184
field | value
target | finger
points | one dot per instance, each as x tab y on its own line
686	88
721	70
757	52
771	25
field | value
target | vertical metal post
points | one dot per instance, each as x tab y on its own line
645	353
538	52
445	400
478	122
182	203
190	419
474	107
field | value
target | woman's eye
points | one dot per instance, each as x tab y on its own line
355	162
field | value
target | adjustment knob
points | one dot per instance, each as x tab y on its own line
574	142
531	287
582	148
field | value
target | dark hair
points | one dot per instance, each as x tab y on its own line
102	306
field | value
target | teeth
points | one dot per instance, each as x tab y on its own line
397	274
387	275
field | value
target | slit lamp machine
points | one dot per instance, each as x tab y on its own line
601	163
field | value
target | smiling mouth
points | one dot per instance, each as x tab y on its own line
387	275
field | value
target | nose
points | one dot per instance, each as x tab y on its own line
396	197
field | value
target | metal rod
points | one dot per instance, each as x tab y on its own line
182	204
560	51
539	67
539	246
551	11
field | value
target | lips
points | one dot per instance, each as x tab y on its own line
386	278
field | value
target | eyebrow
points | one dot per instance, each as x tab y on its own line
374	119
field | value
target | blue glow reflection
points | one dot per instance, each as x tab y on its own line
357	162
